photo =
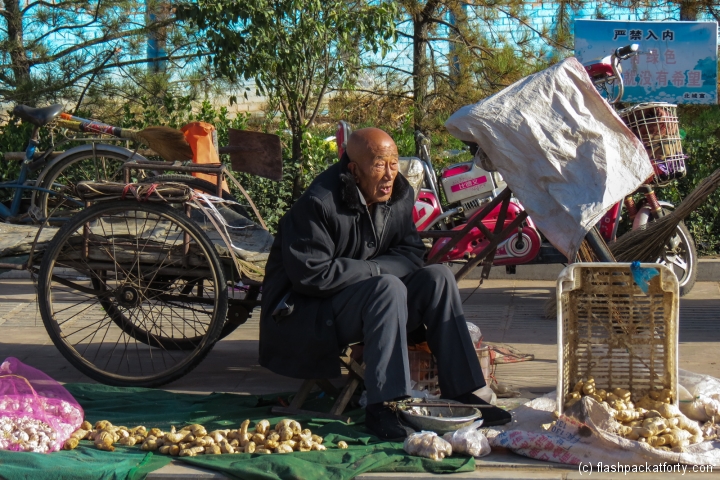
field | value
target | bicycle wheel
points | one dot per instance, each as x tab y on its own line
200	185
122	270
102	165
680	256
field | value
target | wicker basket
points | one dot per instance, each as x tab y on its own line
423	368
656	125
609	329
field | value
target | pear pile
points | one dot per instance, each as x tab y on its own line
288	436
653	419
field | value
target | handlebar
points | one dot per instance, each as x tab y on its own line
622	53
421	139
627	51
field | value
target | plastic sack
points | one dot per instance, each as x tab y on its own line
487	394
475	333
37	414
701	399
562	150
469	440
642	276
427	444
200	137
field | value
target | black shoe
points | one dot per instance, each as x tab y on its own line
491	416
384	423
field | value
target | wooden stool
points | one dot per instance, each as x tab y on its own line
356	375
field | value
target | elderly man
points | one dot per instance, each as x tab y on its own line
346	267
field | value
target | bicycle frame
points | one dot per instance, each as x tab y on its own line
20	183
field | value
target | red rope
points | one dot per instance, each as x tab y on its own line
128	187
150	191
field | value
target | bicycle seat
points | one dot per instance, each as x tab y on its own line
38	116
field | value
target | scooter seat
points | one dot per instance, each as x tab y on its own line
38	116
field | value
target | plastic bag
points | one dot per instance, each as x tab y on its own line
487	394
200	137
702	400
469	440
562	150
475	333
427	444
37	414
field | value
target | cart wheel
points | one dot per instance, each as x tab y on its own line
119	272
238	312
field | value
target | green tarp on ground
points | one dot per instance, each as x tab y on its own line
159	408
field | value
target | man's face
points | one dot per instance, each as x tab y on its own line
375	171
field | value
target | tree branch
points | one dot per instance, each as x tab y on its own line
42	3
96	41
35	41
544	37
92	78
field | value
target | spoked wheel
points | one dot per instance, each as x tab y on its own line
98	166
681	257
123	284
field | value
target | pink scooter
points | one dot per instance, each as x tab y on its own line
469	189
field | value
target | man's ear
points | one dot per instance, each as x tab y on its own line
352	166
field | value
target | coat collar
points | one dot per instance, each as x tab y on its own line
351	193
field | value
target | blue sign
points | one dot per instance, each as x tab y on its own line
677	61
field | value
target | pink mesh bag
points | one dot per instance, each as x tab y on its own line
37	414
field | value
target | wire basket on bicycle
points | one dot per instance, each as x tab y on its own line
656	125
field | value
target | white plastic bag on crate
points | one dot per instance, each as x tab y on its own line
571	442
469	440
560	147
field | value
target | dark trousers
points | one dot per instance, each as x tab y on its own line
381	311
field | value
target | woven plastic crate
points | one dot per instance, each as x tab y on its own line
423	368
423	371
610	330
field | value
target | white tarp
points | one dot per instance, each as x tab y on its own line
560	147
591	438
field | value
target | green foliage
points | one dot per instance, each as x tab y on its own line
702	145
294	50
271	198
14	137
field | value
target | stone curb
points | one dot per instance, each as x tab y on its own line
708	271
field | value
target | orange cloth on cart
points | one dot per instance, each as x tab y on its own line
199	136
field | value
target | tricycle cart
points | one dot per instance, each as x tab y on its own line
135	289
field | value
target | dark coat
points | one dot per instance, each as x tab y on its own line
325	243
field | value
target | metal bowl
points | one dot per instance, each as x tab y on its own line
440	419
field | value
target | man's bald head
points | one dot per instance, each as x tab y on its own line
374	163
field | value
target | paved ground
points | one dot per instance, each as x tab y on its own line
507	311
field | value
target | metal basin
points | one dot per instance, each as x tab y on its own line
440	419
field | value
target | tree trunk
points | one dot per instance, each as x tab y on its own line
420	73
16	47
297	156
689	10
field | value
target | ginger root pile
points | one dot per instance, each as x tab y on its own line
653	419
288	436
104	435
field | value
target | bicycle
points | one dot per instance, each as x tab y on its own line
656	126
95	160
54	191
